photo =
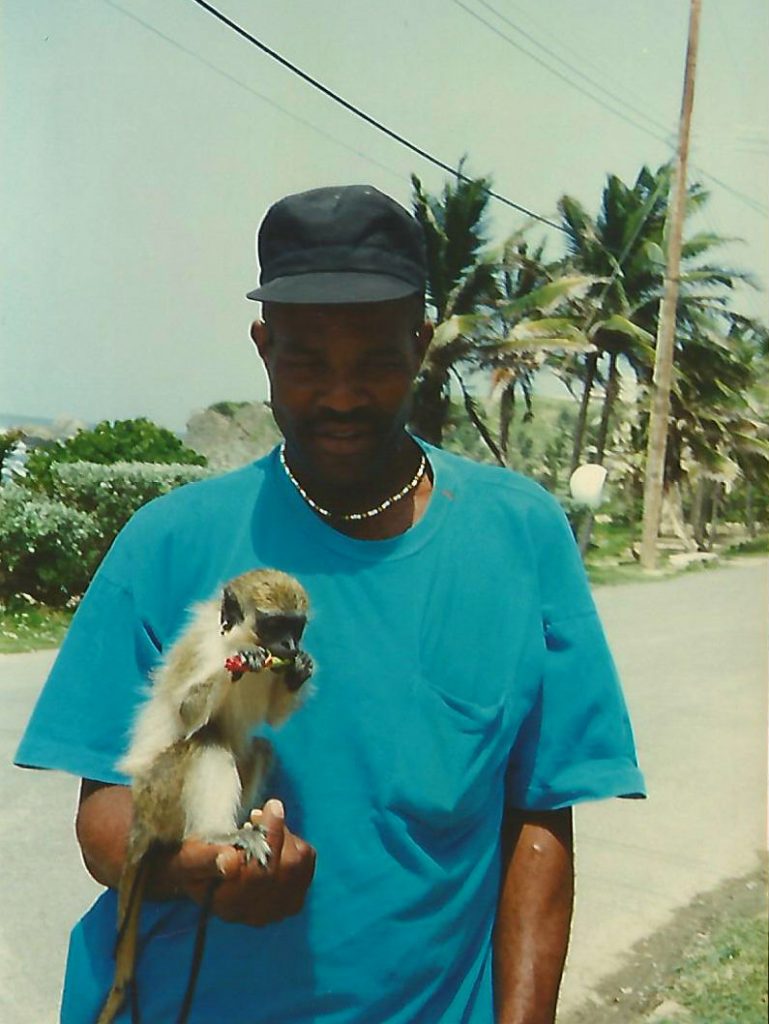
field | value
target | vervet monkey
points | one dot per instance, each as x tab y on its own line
194	765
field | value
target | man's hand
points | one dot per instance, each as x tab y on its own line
246	892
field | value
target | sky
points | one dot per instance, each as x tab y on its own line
143	143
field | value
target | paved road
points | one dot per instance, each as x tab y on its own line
692	652
44	885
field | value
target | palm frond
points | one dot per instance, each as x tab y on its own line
474	414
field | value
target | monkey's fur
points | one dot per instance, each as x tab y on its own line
194	766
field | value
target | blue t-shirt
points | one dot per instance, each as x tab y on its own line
460	667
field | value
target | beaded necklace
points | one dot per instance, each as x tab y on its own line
352	517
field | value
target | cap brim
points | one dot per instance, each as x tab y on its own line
334	288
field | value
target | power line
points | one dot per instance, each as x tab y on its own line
456	172
754	204
564	78
254	92
750	201
572	67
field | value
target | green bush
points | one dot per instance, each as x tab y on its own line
110	494
49	551
51	546
8	441
137	440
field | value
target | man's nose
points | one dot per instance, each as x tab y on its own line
344	395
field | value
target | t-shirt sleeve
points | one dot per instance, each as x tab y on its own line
82	718
576	742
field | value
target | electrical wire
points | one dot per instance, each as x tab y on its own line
573	68
254	92
564	78
754	204
454	171
324	89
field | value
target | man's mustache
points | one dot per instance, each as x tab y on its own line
331	420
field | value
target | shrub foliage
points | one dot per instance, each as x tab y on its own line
51	545
109	442
111	494
49	549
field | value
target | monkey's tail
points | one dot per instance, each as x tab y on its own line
133	883
197	953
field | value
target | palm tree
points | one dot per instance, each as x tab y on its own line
526	326
625	246
718	431
622	246
500	315
461	277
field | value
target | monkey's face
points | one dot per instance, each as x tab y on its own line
265	608
279	632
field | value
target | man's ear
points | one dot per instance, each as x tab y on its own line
260	335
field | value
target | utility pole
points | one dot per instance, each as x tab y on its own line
666	325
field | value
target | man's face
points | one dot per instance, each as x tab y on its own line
341	378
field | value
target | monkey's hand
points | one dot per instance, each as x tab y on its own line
299	671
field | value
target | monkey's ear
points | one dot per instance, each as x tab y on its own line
231	612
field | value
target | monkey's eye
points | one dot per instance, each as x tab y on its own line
277	625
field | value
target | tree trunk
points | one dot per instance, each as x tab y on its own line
750	518
585	532
612	390
716	511
698	515
672	522
580	428
506	411
610	397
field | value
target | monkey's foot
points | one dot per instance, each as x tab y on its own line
251	839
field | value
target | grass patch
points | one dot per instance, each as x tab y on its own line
32	629
707	966
610	559
723	976
754	546
606	575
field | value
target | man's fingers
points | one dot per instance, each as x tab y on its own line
198	861
297	859
273	821
228	862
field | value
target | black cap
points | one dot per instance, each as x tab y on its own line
349	243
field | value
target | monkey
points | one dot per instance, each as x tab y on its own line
193	764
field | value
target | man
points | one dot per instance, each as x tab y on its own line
465	695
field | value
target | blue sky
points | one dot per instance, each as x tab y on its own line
144	141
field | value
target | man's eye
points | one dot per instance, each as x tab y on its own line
302	363
385	361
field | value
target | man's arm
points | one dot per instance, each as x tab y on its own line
246	893
534	915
